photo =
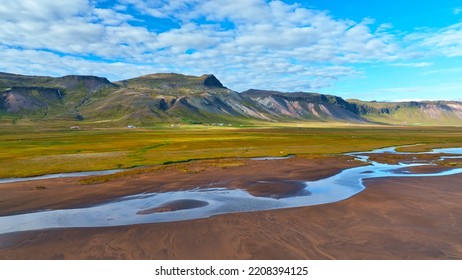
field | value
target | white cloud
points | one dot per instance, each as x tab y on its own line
110	17
443	71
457	11
445	41
270	44
76	28
240	11
160	8
41	10
36	62
274	26
437	91
269	40
414	64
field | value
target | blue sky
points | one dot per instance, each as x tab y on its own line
382	50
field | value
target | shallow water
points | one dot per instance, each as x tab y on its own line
272	158
97	173
392	150
126	210
60	175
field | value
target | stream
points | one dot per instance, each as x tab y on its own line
202	203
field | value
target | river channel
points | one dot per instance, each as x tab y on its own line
203	203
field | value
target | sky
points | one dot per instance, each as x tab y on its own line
371	50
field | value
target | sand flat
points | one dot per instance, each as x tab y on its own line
65	193
394	218
176	205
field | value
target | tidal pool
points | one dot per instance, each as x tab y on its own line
203	203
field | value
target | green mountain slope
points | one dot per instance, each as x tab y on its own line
411	113
46	97
302	106
176	98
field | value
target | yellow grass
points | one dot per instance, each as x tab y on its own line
29	151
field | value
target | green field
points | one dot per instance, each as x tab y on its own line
30	150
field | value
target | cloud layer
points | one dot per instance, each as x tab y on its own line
246	43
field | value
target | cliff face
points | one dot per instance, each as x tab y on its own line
302	105
411	113
160	98
39	97
89	83
18	99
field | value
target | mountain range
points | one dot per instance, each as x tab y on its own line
176	98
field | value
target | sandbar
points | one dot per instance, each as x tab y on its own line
393	218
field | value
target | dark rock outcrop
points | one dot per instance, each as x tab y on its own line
212	81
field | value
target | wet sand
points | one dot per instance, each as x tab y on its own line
175	205
282	177
425	169
394	218
390	158
277	188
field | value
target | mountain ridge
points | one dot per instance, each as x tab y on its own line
171	97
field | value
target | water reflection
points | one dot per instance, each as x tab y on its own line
202	203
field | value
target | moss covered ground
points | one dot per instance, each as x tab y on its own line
35	149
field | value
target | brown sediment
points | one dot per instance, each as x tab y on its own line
394	218
451	162
390	158
424	169
277	188
175	205
69	193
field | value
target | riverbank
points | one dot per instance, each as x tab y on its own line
37	150
394	218
268	178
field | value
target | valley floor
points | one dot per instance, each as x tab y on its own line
395	218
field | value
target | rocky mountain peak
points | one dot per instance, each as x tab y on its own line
91	83
211	81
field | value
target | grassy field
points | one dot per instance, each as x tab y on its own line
33	150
